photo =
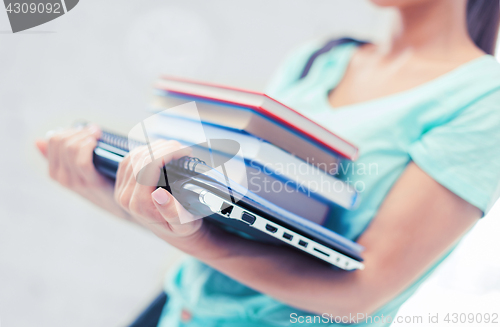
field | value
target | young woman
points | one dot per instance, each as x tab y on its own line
424	108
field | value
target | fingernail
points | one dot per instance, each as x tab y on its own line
52	132
49	134
92	129
160	196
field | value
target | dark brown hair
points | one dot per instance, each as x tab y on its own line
483	22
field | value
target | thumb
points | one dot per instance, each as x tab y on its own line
181	221
42	147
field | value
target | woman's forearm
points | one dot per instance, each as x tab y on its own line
280	272
103	197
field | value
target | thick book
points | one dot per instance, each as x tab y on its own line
257	114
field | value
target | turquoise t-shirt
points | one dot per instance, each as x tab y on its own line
450	127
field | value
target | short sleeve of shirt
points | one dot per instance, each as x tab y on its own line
463	155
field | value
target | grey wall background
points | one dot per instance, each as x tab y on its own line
65	263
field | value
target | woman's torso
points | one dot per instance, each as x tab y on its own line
385	129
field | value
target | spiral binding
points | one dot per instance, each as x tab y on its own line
119	141
186	164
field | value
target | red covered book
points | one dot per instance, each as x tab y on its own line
257	114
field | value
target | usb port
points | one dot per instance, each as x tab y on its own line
271	228
287	236
303	243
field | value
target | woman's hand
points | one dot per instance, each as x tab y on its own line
69	154
155	208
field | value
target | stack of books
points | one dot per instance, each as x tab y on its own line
289	159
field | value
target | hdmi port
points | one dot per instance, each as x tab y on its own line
271	229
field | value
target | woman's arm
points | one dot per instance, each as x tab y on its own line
418	222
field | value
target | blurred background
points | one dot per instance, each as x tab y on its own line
66	263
